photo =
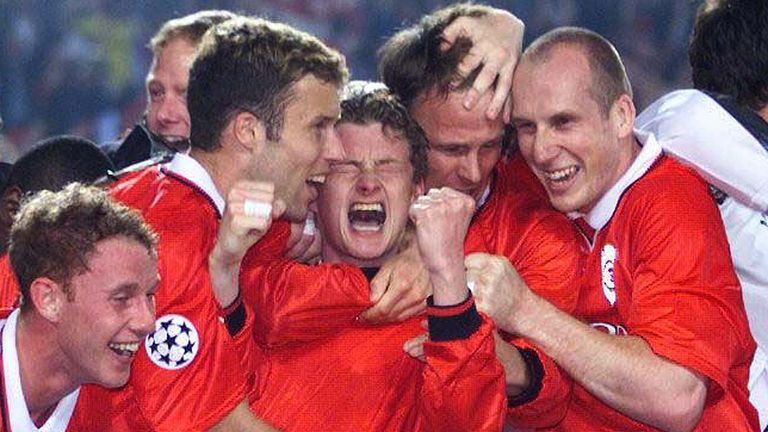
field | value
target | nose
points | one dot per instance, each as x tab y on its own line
172	110
469	168
367	182
543	148
144	320
332	148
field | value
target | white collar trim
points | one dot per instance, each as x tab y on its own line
187	167
18	412
606	206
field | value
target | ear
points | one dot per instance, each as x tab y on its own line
47	297
10	201
623	115
249	132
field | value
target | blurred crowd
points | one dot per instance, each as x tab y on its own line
77	66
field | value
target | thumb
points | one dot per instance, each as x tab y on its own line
278	208
379	285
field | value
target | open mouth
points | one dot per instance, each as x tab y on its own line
367	217
125	349
316	180
562	175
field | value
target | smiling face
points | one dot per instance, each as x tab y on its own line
167	82
363	206
577	150
109	312
307	145
464	146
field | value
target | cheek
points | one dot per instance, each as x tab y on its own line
441	166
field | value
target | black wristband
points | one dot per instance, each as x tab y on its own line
234	316
447	323
536	378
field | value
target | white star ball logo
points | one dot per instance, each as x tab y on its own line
174	344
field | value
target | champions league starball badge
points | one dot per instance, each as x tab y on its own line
174	344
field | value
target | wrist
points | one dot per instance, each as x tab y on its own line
449	287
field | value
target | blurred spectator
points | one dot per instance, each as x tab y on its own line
77	66
51	165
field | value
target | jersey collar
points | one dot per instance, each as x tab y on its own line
190	169
599	216
19	418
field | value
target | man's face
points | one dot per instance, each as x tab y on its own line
307	145
113	309
464	146
571	145
167	82
363	207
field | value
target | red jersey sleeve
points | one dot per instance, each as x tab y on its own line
188	374
9	286
682	272
464	388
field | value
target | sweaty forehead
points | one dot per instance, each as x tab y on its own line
371	142
445	120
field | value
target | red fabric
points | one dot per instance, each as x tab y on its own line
199	395
672	268
9	286
329	371
518	222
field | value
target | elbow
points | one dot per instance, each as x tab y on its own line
682	410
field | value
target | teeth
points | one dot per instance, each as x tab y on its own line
366	227
562	174
131	347
367	207
317	179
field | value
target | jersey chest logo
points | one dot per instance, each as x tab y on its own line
174	344
607	260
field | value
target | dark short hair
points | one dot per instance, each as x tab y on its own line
250	65
55	233
57	161
365	102
729	50
609	77
190	27
411	62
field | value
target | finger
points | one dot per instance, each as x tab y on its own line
484	79
412	311
508	110
278	208
477	261
469	63
501	92
415	347
379	284
452	32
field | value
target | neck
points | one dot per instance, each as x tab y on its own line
46	376
223	169
332	256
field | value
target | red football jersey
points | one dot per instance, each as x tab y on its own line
188	376
329	371
9	286
518	222
659	268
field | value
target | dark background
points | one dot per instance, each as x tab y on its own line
78	66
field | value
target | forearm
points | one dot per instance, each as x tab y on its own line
224	278
621	371
241	419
